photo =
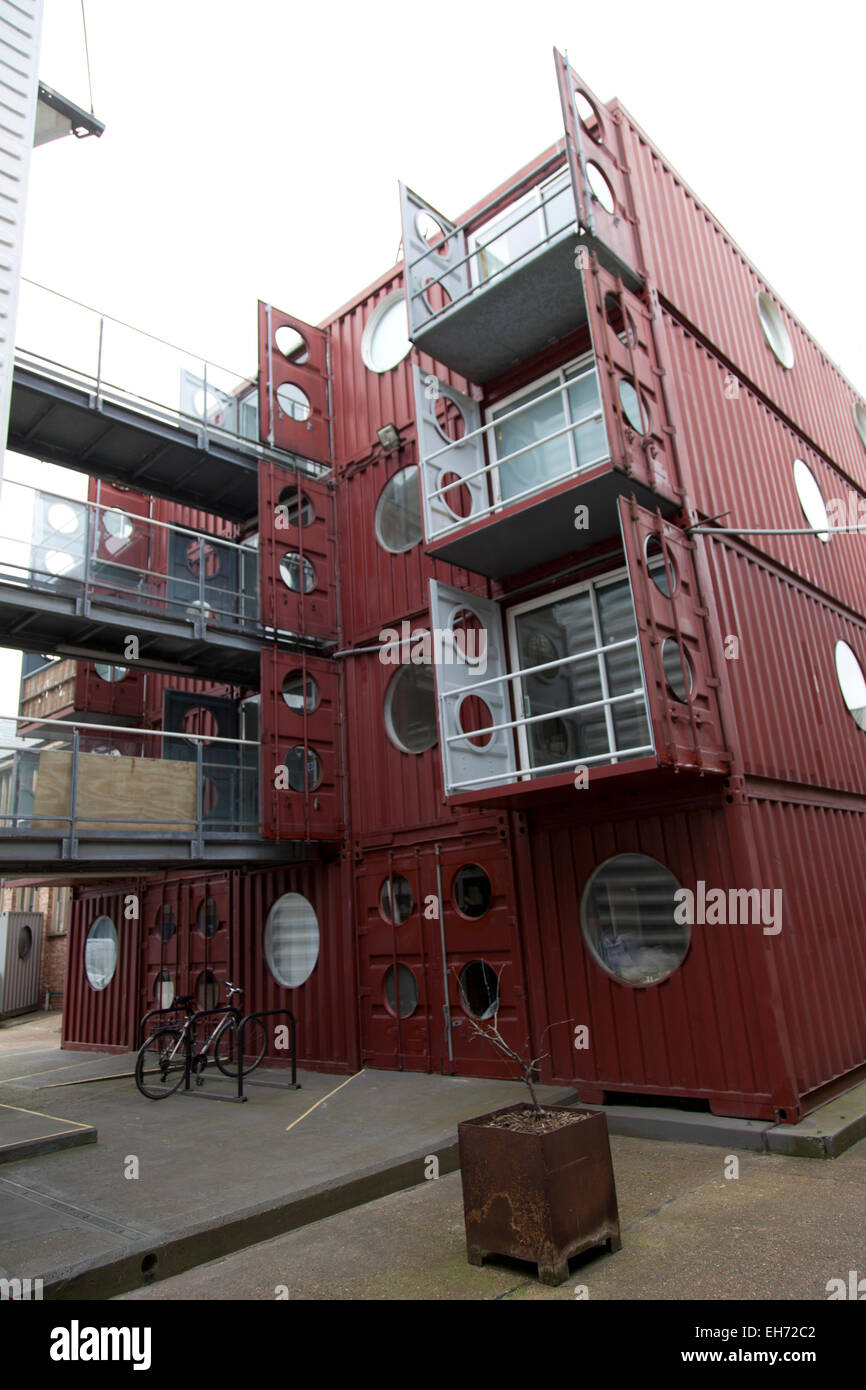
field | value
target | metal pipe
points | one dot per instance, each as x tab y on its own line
446	1007
550	714
777	531
61	724
526	774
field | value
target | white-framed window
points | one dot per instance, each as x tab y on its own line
584	711
386	336
629	922
522	228
546	431
248	416
291	940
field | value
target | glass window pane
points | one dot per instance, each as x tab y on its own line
630	724
559	211
583	400
398	512
291	940
100	953
615	612
546	634
507	237
538	466
628	918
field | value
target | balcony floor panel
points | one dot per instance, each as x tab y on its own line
61	422
508	320
45	620
542	528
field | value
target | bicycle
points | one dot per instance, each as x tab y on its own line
160	1066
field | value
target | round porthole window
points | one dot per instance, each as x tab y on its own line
403	899
291	940
207	990
112	674
633	408
660	566
811	499
59	562
673	669
410	709
100	953
166	922
201	555
386	336
296	761
208	918
63	518
628	914
293	402
852	683
774	330
300	693
401	991
471	891
398	512
290	343
600	186
164	992
479	989
117	524
292	568
291	512
25	943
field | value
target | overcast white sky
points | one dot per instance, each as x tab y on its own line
253	150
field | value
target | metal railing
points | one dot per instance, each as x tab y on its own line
59	337
467	233
108	781
102	554
491	466
526	767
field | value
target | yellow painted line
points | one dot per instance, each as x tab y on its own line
46	1071
7	1080
324	1098
83	1080
42	1116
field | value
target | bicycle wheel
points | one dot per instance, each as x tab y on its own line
160	1064
255	1047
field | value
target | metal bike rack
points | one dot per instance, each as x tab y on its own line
294	1084
238	1024
196	1091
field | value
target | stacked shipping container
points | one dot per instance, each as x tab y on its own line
432	909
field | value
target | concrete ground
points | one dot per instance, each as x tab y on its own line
271	1198
779	1231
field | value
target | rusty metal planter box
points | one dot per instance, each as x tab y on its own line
538	1197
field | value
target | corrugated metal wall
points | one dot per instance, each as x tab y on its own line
815	854
706	1030
105	1018
394	586
793	722
701	271
325	1007
739	456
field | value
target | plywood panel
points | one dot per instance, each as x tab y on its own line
144	789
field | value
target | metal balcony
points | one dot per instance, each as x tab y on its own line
90	575
496	505
94	394
489	292
101	796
